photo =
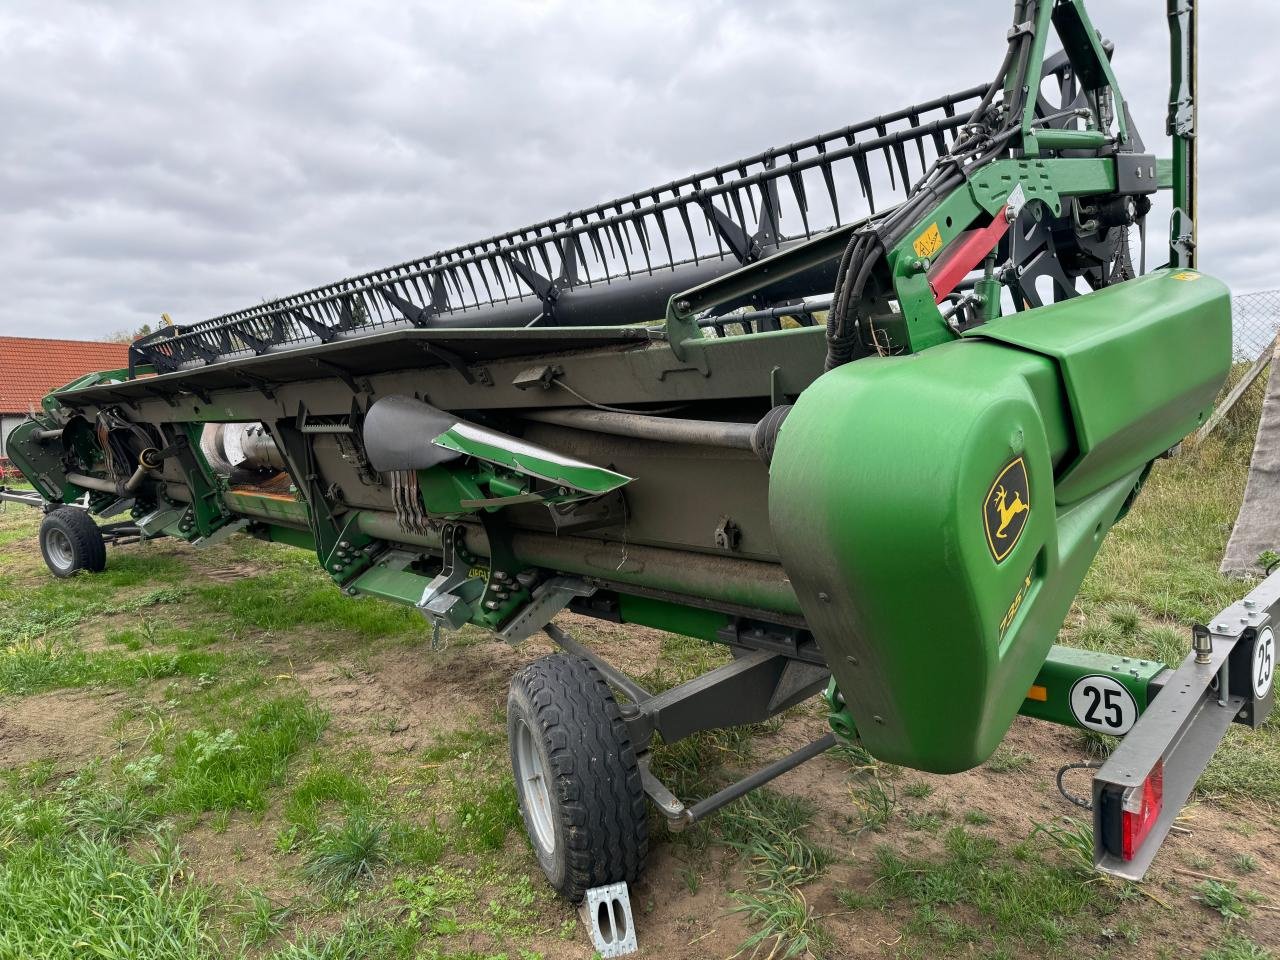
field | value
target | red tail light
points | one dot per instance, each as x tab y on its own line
1140	809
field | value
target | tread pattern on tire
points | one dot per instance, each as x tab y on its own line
597	776
86	540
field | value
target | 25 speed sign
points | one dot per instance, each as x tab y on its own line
1264	663
1103	704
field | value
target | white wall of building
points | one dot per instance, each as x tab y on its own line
7	422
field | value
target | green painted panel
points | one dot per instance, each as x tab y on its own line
291	536
40	463
1049	697
402	586
935	575
1142	362
672	617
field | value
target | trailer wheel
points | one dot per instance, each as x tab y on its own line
70	542
576	775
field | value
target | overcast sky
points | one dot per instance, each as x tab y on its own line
199	157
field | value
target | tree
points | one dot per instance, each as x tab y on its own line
124	336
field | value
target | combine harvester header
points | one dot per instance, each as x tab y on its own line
861	408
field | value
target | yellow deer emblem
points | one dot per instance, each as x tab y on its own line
1007	510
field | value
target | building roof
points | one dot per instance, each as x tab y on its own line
30	367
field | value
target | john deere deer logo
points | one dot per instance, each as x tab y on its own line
1007	510
1007	507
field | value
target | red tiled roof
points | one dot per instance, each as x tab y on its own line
31	367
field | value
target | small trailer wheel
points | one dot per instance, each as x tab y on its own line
576	776
70	542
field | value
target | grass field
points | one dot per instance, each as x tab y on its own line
214	754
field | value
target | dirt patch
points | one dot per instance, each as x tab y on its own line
398	701
673	920
233	572
68	727
243	854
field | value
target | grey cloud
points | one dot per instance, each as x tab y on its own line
199	157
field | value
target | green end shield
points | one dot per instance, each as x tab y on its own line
936	513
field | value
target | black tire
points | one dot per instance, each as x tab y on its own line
70	542
561	716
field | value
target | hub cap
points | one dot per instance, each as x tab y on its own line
532	780
60	551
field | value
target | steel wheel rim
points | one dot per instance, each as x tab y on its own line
60	550
534	788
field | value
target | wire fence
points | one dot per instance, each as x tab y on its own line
1255	318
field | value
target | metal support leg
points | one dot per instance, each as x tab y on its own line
754	686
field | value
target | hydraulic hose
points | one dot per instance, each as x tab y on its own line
870	245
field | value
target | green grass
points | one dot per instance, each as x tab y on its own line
110	815
360	938
351	792
488	899
785	924
322	787
917	790
34	666
460	744
1226	899
484	819
1236	947
207	735
55	608
767	830
1008	760
925	821
1244	863
189	772
1021	897
235	768
77	897
258	918
299	594
876	800
1074	838
340	855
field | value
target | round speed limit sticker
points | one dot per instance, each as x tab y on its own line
1264	663
1103	704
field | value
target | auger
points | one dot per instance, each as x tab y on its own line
860	408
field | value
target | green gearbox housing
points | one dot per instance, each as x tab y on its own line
937	512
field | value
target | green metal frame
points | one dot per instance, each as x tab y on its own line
1049	696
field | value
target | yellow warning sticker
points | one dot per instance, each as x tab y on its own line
929	242
1186	275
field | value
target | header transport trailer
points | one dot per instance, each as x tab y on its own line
909	375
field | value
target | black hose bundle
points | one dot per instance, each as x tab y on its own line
122	441
868	246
